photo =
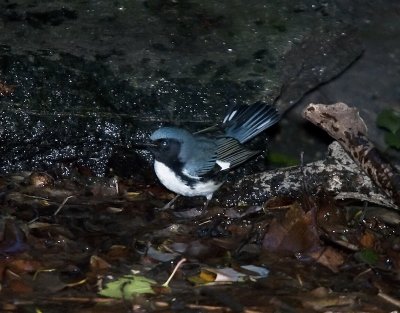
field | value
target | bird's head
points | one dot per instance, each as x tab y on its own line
167	143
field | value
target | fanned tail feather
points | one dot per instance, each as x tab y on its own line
245	122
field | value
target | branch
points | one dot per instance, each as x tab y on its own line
346	126
338	175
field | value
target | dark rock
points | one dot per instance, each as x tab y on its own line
90	76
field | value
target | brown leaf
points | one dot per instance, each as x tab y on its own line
97	264
20	266
15	283
19	286
274	237
117	252
330	301
295	233
329	257
367	240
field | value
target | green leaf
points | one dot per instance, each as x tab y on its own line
390	120
281	159
368	256
127	286
393	140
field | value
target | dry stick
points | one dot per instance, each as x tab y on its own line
389	299
62	205
345	125
211	308
173	272
21	302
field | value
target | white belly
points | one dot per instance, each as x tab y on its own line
173	182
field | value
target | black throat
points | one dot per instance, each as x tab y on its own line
167	152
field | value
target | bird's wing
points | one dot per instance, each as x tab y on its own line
230	153
199	160
212	156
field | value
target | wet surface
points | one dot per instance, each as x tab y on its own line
81	82
94	68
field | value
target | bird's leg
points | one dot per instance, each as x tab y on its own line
208	199
169	204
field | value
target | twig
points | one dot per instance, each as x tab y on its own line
213	308
389	299
173	272
67	299
62	205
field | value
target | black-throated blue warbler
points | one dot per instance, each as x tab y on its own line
195	164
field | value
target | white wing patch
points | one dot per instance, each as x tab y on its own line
223	165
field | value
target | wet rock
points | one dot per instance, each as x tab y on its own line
88	77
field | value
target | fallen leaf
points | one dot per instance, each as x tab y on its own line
329	257
160	255
97	264
229	275
367	240
295	233
20	266
330	301
127	286
367	256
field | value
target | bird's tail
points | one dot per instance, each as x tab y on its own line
244	122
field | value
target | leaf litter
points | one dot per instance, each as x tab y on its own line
94	245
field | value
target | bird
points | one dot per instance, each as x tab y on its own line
196	164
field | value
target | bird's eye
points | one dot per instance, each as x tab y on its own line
164	143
